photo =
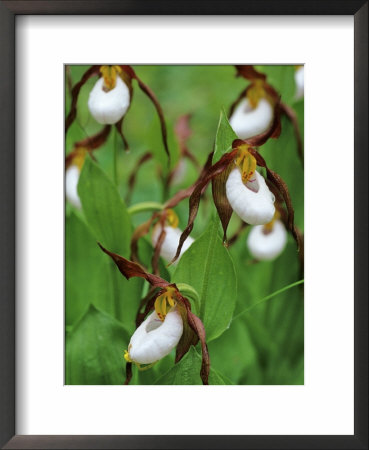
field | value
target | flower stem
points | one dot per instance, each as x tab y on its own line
144	207
115	156
268	297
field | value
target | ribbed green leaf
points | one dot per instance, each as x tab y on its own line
187	371
105	211
94	350
208	267
224	137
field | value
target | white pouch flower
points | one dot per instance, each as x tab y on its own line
266	243
170	243
155	338
108	107
71	183
299	80
248	122
252	202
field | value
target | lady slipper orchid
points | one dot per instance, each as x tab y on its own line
266	242
171	240
241	189
109	99
74	163
256	111
248	121
158	334
172	324
71	183
247	192
299	80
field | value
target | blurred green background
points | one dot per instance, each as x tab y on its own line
263	346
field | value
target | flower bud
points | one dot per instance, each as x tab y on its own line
71	183
154	338
108	107
170	244
247	121
266	244
299	80
252	202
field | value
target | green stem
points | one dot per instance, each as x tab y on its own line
115	156
144	207
268	297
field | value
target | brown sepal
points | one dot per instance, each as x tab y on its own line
132	177
292	117
220	198
249	73
205	177
198	328
156	103
128	373
131	269
139	232
89	143
91	72
119	128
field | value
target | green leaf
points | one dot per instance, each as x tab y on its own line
224	137
105	211
84	271
94	350
208	268
187	372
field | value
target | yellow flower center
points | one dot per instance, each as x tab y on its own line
246	162
126	356
256	92
268	227
172	218
79	157
165	302
109	74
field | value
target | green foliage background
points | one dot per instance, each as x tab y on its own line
265	344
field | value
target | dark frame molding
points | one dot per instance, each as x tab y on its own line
8	11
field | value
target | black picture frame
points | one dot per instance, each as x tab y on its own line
8	11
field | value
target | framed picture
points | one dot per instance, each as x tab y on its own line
184	225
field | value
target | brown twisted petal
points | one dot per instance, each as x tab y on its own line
220	198
249	73
89	143
152	97
91	72
128	373
139	232
119	128
131	269
132	177
292	117
199	330
205	177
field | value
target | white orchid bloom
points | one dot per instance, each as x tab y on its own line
109	106
251	201
71	183
299	80
154	338
170	243
265	242
247	121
